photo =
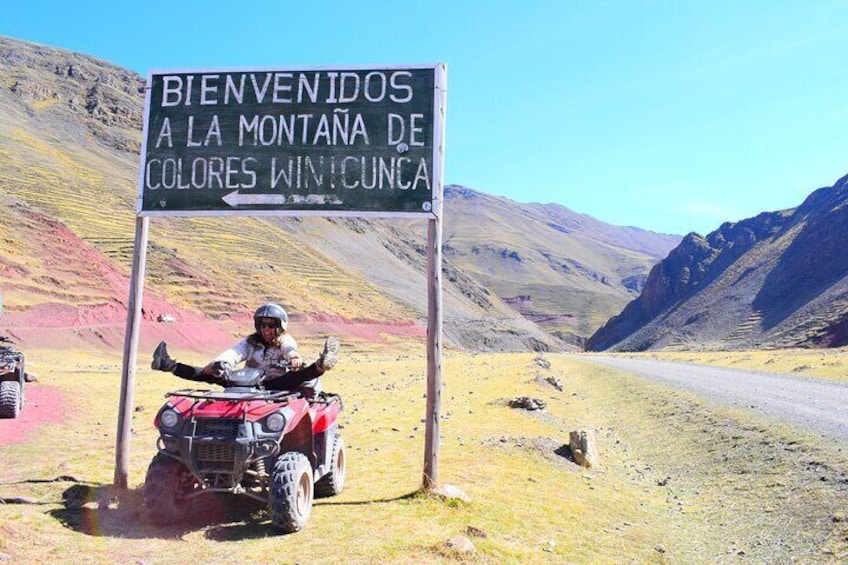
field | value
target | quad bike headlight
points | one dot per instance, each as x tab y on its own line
275	422
169	419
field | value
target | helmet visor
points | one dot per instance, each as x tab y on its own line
268	323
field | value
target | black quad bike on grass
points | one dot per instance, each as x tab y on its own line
278	447
13	378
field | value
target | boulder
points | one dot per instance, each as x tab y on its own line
584	448
527	403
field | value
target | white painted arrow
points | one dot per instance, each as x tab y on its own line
235	199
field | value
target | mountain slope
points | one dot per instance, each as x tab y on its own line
70	129
776	280
566	271
546	282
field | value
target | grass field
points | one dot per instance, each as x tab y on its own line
679	481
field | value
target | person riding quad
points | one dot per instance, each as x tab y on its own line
269	345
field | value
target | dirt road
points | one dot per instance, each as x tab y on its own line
819	406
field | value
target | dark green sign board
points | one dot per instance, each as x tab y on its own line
330	142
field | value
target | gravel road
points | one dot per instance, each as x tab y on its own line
818	406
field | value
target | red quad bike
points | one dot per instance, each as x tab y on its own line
13	377
277	447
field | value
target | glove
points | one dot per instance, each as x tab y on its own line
220	368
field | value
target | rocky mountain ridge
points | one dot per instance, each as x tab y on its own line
779	279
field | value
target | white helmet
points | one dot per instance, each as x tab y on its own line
271	310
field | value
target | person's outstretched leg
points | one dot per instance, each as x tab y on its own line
163	362
330	355
293	379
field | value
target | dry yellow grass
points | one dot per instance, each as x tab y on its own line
669	488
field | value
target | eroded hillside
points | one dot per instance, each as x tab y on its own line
779	279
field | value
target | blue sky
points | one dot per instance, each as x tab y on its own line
669	116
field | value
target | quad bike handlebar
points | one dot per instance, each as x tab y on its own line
221	368
248	376
239	384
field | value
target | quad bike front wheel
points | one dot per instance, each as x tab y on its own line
332	483
167	490
11	399
290	498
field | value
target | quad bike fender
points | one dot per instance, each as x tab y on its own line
297	413
298	436
252	410
323	444
324	416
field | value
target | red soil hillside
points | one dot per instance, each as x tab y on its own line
60	290
53	281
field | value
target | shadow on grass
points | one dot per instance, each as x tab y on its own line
409	496
261	527
105	511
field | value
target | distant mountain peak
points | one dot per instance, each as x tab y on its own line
457	191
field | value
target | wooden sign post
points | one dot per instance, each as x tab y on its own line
355	142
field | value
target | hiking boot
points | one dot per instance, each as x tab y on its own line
161	360
330	356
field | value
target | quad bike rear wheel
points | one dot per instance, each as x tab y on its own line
332	483
11	399
290	498
167	490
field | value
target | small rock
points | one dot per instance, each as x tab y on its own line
475	532
554	382
527	403
460	544
584	448
450	492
